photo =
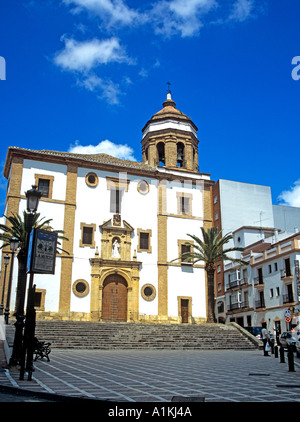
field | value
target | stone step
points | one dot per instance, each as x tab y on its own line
100	335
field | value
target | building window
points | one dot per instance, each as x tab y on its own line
143	187
44	184
271	293
148	292
270	268
275	266
43	187
91	179
80	288
287	267
277	291
184	247
87	235
184	203
144	241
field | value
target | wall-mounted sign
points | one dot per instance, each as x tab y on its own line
42	252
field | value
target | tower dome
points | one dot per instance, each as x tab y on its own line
170	139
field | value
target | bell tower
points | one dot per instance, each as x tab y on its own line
170	139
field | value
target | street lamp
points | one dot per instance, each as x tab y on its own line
14	244
6	262
33	196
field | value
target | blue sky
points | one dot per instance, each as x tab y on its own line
90	73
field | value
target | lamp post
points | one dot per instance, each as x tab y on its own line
33	197
14	244
6	262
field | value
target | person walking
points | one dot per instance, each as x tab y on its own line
265	335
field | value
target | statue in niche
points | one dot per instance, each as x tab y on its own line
116	249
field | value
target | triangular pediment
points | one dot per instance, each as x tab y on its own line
116	223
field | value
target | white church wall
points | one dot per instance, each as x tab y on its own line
187	282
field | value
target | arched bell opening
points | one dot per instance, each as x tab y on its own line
180	154
161	154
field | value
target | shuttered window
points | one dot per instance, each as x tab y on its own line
144	241
43	187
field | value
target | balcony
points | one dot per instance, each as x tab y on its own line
258	281
286	273
237	283
287	298
238	305
260	304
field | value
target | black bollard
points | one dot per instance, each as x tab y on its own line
276	351
290	355
281	352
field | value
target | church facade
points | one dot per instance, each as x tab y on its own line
127	224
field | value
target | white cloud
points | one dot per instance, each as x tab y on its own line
167	18
242	10
122	151
85	55
104	88
291	197
83	58
180	16
111	11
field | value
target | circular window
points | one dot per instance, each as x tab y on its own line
80	288
143	187
91	179
148	292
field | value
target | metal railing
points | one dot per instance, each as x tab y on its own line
286	273
237	283
258	280
260	304
287	298
238	305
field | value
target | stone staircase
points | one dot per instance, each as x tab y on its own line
105	336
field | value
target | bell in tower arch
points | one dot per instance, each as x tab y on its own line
180	154
161	153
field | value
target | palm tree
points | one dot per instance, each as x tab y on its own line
211	250
20	229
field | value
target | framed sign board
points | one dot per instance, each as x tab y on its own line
42	252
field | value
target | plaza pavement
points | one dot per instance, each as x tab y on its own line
129	376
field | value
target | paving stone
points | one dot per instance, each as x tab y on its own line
219	376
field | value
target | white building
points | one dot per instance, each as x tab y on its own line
268	289
246	211
126	222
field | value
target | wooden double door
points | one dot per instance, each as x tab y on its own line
114	299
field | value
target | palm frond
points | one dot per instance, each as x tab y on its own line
211	249
19	228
